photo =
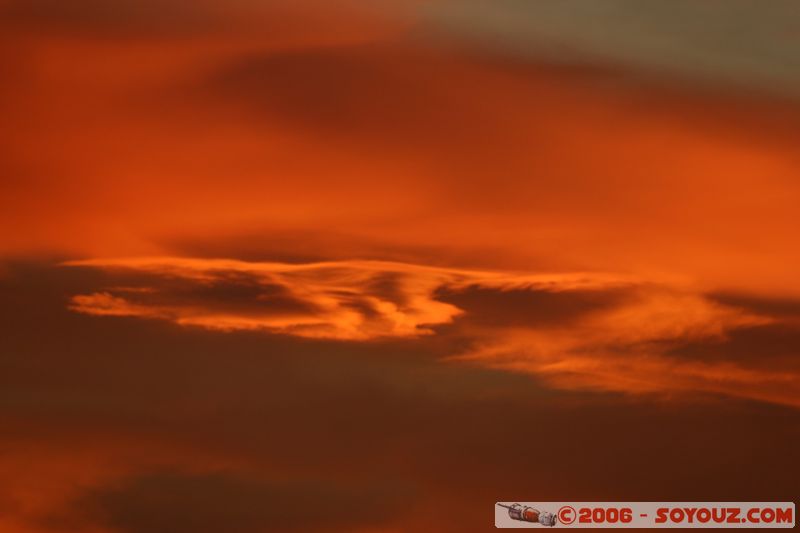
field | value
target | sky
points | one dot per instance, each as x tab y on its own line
374	266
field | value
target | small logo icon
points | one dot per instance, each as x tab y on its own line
524	513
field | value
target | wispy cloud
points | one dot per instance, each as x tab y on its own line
573	330
353	300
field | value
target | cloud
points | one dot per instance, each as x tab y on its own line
326	300
531	306
342	300
123	18
631	348
102	416
385	94
143	20
174	502
787	308
375	142
717	41
572	330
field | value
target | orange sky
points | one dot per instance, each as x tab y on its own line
206	213
129	146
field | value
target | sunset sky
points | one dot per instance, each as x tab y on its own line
372	266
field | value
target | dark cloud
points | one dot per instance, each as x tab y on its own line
183	503
117	19
773	346
227	292
717	41
781	308
287	246
163	20
385	94
532	307
346	90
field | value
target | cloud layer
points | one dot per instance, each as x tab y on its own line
409	317
573	330
119	424
346	132
716	41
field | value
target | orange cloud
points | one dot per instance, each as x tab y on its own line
608	332
630	350
354	300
